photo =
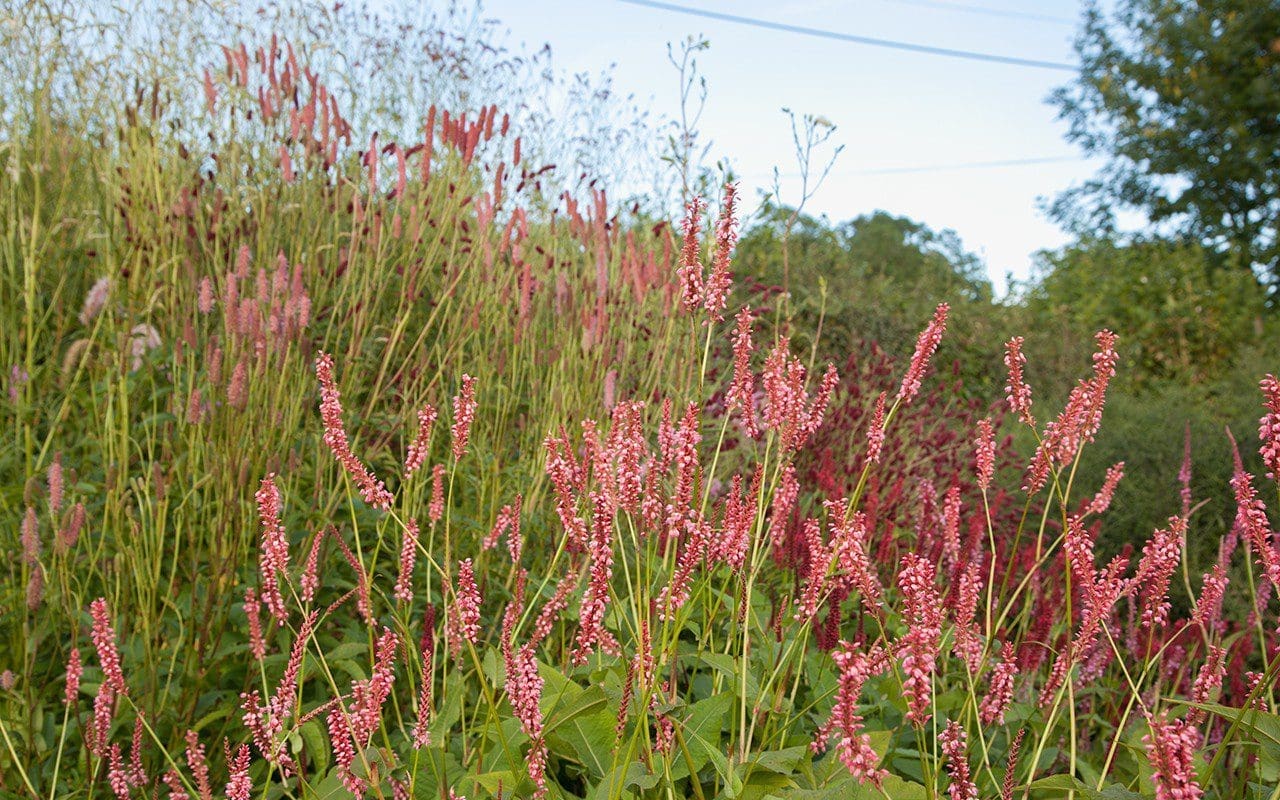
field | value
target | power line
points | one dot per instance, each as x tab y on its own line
989	11
1012	162
849	37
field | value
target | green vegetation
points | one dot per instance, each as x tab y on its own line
358	442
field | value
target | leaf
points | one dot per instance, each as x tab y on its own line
1261	724
782	762
1070	783
701	732
728	666
313	741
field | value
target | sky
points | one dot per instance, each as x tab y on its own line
925	136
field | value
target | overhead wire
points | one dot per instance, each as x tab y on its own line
870	41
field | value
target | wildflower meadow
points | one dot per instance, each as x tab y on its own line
381	462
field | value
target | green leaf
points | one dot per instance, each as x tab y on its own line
701	732
1263	725
1070	783
315	744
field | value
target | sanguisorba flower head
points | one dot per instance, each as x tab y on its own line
372	490
926	345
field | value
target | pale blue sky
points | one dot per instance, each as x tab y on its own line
895	111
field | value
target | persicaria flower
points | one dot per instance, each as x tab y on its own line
720	280
955	750
421	446
595	600
1102	500
919	646
1000	689
408	555
1208	609
875	431
1017	392
465	612
926	344
743	389
1269	426
1160	557
30	537
436	509
55	485
94	300
1171	749
690	270
464	413
1251	519
984	454
372	490
274	558
74	671
854	748
1208	680
787	409
104	642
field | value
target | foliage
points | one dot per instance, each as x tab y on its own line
1184	321
345	464
1183	99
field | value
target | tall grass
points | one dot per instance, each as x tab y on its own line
350	463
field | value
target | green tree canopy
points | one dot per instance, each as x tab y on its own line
1183	99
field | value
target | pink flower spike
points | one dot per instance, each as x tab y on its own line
465	612
421	446
955	749
74	670
743	389
1269	426
274	559
984	454
1102	500
690	270
1017	392
720	280
464	413
436	509
926	345
1171	750
1000	690
408	555
372	490
104	641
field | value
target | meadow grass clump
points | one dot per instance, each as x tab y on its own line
350	466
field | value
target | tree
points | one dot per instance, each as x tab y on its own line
1183	98
1179	321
